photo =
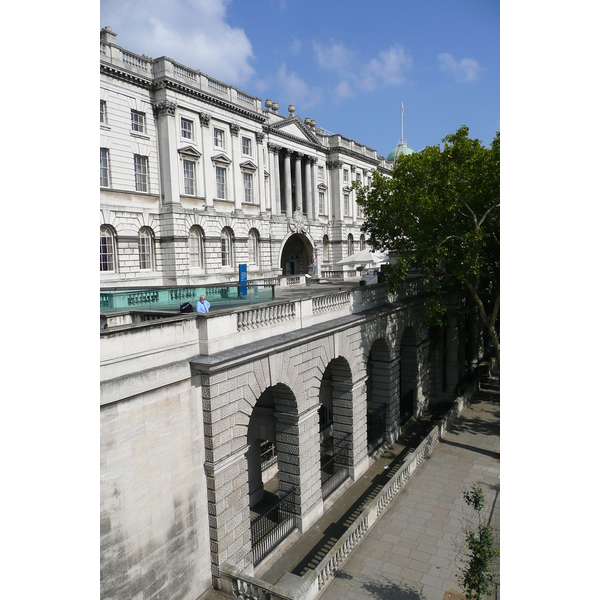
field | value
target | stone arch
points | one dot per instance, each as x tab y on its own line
379	396
298	245
409	370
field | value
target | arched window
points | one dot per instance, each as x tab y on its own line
226	248
325	248
362	241
253	248
146	249
196	247
107	249
350	244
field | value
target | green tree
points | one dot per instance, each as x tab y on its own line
478	550
440	211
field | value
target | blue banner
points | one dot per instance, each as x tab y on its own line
243	280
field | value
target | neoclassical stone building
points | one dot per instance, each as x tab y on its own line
200	412
197	177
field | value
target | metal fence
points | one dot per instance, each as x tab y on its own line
270	529
334	463
376	427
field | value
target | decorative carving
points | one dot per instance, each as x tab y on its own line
298	224
260	137
205	118
274	148
235	128
353	168
166	107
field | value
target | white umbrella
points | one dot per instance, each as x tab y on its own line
364	257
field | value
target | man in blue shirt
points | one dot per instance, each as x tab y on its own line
202	305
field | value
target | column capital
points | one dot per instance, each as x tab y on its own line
235	128
205	118
260	137
166	107
274	148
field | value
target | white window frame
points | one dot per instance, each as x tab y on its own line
140	169
196	247
189	183
105	168
346	175
350	244
103	112
108	255
321	203
346	205
145	250
248	187
219	138
253	248
320	173
221	191
138	121
248	151
187	134
226	249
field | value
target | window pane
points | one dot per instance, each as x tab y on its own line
189	177
104	169
187	129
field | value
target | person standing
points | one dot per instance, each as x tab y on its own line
202	305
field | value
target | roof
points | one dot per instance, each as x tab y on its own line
400	149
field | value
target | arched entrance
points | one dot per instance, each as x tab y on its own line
378	396
273	491
296	256
335	398
408	374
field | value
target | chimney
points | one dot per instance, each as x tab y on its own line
108	36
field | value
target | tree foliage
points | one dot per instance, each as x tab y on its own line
440	212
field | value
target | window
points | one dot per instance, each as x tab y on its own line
221	184
219	138
103	112
359	211
104	168
320	173
253	247
358	177
362	242
321	203
346	205
140	164
107	249
345	175
248	196
325	248
226	249
350	244
196	247
138	121
187	129
145	248
246	146
189	177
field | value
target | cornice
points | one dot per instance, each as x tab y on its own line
123	75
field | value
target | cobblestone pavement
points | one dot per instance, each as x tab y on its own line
410	553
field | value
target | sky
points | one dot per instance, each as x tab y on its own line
347	64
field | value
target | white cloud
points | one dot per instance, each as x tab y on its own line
295	90
335	57
389	69
192	32
466	70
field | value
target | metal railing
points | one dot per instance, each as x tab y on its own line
376	428
270	529
334	464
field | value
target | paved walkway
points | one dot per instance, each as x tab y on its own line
410	552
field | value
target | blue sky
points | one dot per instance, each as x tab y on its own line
346	64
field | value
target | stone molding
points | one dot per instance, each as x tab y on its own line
165	107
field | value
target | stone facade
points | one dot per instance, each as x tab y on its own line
211	179
180	416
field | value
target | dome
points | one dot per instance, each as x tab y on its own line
401	148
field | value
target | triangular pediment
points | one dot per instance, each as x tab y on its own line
189	151
295	128
221	158
248	164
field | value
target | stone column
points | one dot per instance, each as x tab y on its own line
236	174
166	131
309	188
275	185
287	173
298	180
208	170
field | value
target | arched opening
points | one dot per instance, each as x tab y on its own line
378	396
408	374
296	256
336	425
272	469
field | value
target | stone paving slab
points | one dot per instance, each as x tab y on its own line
421	563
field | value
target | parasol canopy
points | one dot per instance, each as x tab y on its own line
364	257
